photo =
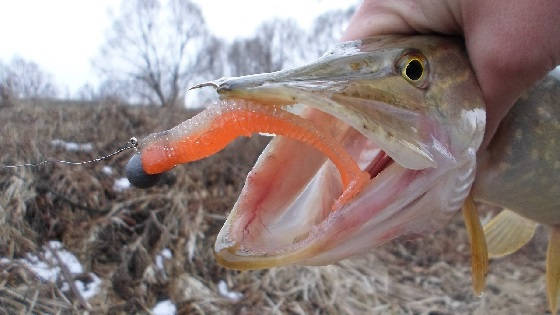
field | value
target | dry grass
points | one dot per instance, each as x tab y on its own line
117	235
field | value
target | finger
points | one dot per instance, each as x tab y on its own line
510	47
377	17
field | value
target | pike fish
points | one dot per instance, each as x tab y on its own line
377	139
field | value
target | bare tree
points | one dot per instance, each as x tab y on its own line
281	43
276	44
86	92
286	42
154	46
115	91
326	30
156	49
25	79
6	93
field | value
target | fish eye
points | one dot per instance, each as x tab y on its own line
413	68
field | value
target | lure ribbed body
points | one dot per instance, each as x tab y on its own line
214	128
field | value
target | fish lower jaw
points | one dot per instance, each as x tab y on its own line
396	202
307	226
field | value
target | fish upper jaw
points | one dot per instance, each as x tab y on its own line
366	90
402	132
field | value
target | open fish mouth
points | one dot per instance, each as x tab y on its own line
290	211
366	151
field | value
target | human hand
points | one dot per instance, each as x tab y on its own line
511	44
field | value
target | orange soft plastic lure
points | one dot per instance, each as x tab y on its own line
214	128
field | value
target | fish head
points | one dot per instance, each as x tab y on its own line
407	109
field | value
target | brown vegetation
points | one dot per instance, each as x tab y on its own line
117	235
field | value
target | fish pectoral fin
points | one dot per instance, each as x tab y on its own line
507	232
553	268
479	252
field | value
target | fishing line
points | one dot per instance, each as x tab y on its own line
131	144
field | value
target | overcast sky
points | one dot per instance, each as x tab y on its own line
62	36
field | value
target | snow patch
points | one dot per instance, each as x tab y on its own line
107	170
46	267
89	289
165	307
40	268
72	146
163	255
71	262
225	292
121	184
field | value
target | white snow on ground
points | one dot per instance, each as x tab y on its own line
121	184
40	268
165	307
225	292
72	146
71	262
90	289
46	267
107	170
163	255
